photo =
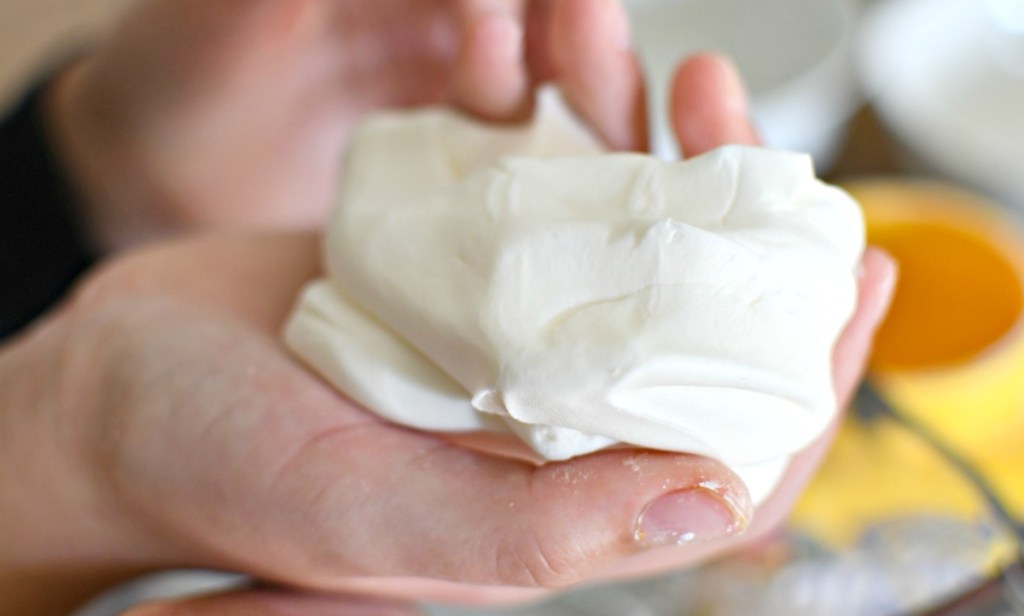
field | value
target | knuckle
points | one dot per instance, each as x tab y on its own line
535	560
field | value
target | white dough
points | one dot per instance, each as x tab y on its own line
522	279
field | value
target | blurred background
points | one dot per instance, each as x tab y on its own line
917	108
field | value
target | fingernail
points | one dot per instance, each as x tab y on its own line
693	515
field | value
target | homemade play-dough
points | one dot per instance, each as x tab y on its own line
522	279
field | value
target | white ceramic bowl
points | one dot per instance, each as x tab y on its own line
797	57
944	77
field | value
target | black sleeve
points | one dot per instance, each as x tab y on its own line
43	248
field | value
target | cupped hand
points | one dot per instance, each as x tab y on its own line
235	113
165	425
170	427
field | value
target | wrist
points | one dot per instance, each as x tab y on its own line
64	539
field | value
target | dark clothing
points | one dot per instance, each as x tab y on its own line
42	246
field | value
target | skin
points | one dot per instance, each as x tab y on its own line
235	113
155	420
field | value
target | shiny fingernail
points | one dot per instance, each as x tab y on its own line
693	515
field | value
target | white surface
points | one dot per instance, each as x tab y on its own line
166	585
797	57
936	74
486	278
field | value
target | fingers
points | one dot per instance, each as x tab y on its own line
272	603
877	284
589	44
583	45
538	40
491	75
708	105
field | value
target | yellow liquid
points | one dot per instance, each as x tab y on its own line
950	354
960	288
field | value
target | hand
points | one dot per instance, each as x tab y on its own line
234	113
156	421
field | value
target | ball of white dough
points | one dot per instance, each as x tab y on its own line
525	280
